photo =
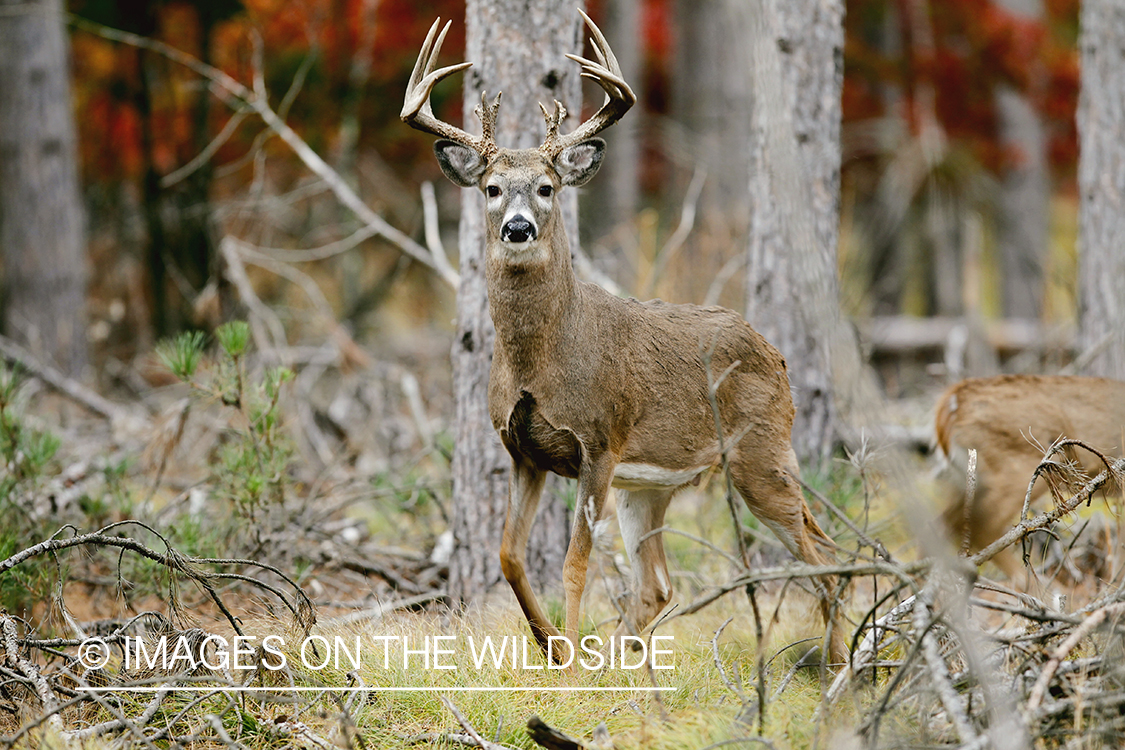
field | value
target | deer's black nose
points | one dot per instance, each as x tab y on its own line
518	229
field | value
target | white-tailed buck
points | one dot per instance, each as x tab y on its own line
1009	420
606	390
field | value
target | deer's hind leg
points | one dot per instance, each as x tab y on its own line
771	492
639	513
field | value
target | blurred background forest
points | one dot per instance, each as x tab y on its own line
958	193
246	161
245	279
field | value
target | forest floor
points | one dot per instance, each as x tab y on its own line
205	519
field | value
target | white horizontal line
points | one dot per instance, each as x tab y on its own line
434	689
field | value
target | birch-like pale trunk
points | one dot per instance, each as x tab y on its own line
1101	185
518	47
791	288
1025	191
42	223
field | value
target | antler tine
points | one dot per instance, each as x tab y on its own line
554	120
619	98
601	46
487	114
424	64
416	110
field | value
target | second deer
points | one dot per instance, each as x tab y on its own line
606	390
1009	420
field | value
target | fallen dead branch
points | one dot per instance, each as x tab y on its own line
78	687
189	567
473	736
950	699
1115	471
254	98
30	673
1063	650
544	735
68	387
374	614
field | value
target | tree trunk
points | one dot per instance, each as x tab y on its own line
42	226
1024	194
1101	183
711	98
182	236
517	46
797	78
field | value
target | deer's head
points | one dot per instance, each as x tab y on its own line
520	186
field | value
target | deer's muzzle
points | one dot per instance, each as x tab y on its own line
518	229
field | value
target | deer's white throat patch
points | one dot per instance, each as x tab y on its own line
529	251
517	247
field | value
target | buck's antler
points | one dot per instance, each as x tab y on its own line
618	97
416	111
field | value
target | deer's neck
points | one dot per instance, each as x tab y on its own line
531	304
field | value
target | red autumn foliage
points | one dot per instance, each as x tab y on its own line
978	47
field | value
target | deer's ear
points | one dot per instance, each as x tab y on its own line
461	164
578	163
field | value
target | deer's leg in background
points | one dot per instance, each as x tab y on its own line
523	500
594	476
639	513
762	478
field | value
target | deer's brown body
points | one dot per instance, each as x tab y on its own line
1009	420
611	392
636	388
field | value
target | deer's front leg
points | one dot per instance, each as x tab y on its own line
594	477
525	488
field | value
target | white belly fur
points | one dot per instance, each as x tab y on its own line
647	476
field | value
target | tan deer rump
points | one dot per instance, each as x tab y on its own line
1009	420
1012	414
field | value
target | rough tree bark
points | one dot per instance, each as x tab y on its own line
1101	183
517	46
712	98
797	78
1024	194
42	225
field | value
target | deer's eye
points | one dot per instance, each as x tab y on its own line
546	191
492	190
